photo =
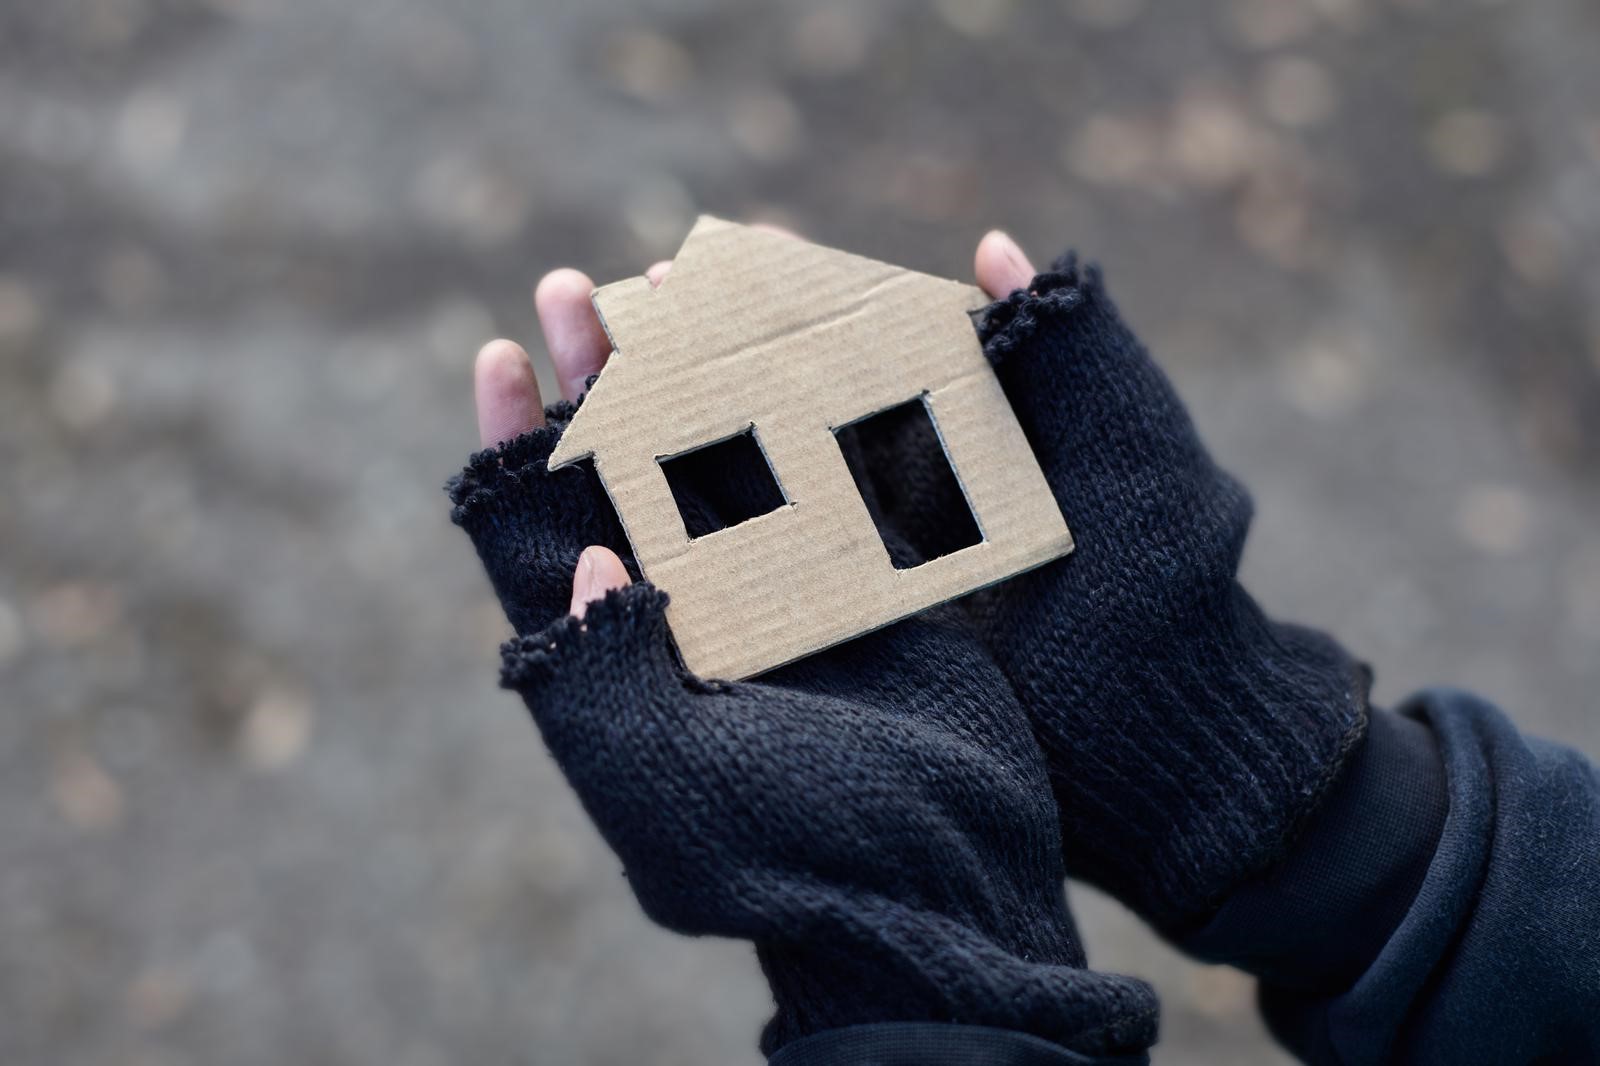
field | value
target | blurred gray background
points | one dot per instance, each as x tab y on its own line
260	799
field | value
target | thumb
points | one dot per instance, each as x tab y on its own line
607	666
598	572
1001	265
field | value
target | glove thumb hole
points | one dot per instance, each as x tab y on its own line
598	572
591	681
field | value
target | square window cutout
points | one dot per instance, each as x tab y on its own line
892	450
723	483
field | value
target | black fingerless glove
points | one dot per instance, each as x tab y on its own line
876	819
1187	735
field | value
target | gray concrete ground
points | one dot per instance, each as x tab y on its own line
262	802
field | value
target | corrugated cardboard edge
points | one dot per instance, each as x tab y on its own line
753	328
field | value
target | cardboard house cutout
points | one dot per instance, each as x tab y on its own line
754	336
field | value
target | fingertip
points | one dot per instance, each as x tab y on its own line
498	356
598	572
1001	265
561	286
578	345
505	391
657	273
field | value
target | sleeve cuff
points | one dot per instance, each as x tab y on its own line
934	1044
1319	918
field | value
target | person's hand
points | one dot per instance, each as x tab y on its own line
1188	737
877	818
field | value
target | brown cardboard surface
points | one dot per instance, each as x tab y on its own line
751	328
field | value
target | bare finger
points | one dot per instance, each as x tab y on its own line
506	392
578	345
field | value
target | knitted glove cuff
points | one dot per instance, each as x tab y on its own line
497	480
1009	323
530	524
621	639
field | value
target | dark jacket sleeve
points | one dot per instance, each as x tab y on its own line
934	1044
1442	907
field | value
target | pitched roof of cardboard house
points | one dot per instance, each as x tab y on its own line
734	296
756	332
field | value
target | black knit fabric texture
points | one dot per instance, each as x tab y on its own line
909	1044
877	819
1188	737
